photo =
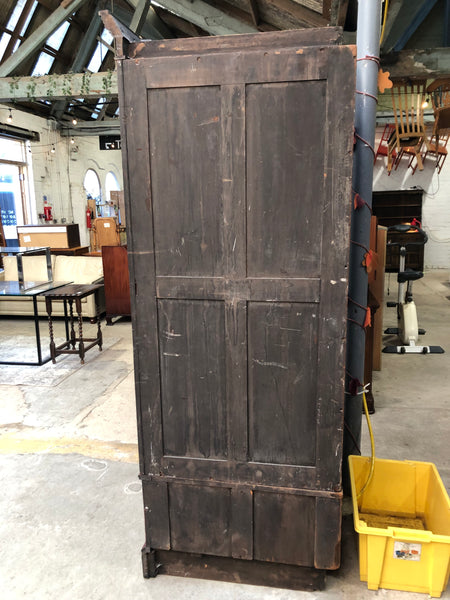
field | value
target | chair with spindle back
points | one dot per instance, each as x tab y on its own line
407	102
439	92
438	147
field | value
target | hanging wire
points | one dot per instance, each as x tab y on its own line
386	5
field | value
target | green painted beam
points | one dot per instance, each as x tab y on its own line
58	87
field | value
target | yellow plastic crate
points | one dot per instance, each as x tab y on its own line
403	522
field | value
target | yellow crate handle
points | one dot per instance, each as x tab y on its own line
411	535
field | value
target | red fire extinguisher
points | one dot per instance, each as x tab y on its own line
48	213
88	218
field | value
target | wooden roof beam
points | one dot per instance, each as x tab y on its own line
335	11
38	37
152	27
303	14
140	16
178	23
254	11
207	17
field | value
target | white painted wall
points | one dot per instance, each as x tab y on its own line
435	201
60	176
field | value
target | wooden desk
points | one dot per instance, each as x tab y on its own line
75	251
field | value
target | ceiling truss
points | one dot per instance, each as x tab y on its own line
70	88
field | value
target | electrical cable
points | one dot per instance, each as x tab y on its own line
372	448
386	5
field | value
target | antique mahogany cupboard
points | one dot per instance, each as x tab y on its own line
237	166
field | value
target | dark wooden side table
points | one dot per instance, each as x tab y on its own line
69	294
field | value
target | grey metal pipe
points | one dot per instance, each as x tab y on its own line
368	48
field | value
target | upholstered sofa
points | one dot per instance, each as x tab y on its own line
73	269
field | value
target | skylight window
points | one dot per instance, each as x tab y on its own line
43	64
100	52
14	18
12	24
3	43
57	37
45	60
98	108
28	19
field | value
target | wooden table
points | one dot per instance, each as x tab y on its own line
75	251
69	294
31	289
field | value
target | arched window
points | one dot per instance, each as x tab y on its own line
111	185
91	184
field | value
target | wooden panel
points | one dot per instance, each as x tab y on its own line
242	522
185	151
252	473
54	236
338	150
277	204
156	507
282	349
199	566
256	289
290	537
327	552
200	519
231	43
116	279
136	173
219	69
193	393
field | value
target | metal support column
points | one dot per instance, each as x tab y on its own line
368	47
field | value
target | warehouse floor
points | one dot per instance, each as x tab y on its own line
71	511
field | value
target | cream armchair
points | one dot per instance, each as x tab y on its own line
73	269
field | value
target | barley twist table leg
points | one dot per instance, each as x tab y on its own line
99	334
80	330
72	329
48	306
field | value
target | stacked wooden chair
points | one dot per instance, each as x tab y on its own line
409	134
439	92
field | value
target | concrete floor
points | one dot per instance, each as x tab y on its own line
71	511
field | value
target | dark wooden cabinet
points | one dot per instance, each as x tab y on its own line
117	282
237	168
393	208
